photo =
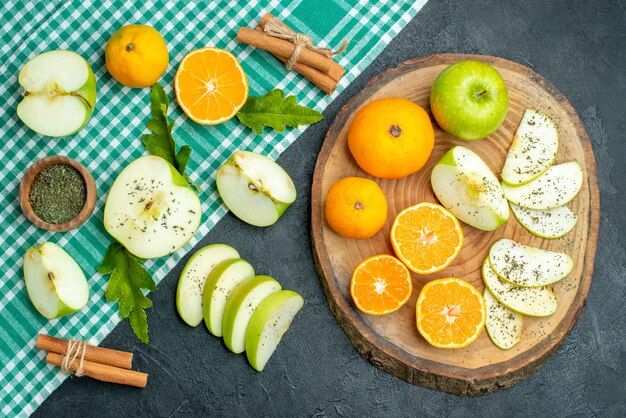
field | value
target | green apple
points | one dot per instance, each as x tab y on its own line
55	282
527	266
151	209
546	223
469	100
556	187
193	277
240	306
467	187
503	325
59	93
268	324
218	287
255	188
529	301
533	149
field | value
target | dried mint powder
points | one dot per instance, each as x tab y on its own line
58	194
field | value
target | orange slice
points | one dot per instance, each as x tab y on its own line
380	285
211	86
450	313
426	237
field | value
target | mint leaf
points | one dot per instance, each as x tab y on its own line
276	111
127	279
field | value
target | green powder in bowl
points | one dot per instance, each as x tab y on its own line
58	194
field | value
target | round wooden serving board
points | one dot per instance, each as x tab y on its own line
392	342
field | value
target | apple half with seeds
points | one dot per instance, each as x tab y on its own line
60	93
151	209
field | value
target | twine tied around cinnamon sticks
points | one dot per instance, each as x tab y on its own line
75	349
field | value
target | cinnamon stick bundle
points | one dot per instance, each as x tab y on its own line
92	353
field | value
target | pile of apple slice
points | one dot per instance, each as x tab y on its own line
250	312
516	277
536	190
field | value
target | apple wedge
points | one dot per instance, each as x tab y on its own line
218	287
55	282
150	209
547	223
533	149
529	301
556	187
240	306
268	324
467	187
193	277
60	93
503	325
255	188
527	266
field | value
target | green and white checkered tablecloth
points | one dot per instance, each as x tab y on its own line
112	137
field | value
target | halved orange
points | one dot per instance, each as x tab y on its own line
426	237
450	313
380	285
211	86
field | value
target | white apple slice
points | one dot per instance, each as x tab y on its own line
530	301
150	209
547	223
60	93
268	324
467	187
240	306
527	266
55	282
556	187
193	277
503	325
255	188
533	149
219	285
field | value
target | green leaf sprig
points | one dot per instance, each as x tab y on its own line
276	111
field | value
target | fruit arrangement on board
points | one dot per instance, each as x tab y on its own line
393	138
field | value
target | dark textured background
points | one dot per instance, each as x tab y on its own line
580	46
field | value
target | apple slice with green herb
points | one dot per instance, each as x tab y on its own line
240	306
55	282
268	324
194	276
527	266
556	187
533	149
467	187
255	188
218	287
503	325
547	223
530	301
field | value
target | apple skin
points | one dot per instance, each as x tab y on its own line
87	93
469	100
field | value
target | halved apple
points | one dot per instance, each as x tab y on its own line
547	223
255	188
60	93
268	324
467	187
503	325
193	277
219	285
55	282
530	301
556	187
533	149
240	306
527	266
150	209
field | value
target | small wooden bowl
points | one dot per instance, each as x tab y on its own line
27	182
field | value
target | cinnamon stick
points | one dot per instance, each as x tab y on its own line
103	372
283	48
93	353
335	71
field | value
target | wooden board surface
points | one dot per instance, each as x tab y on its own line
392	342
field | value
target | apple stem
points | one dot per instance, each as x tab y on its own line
482	93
